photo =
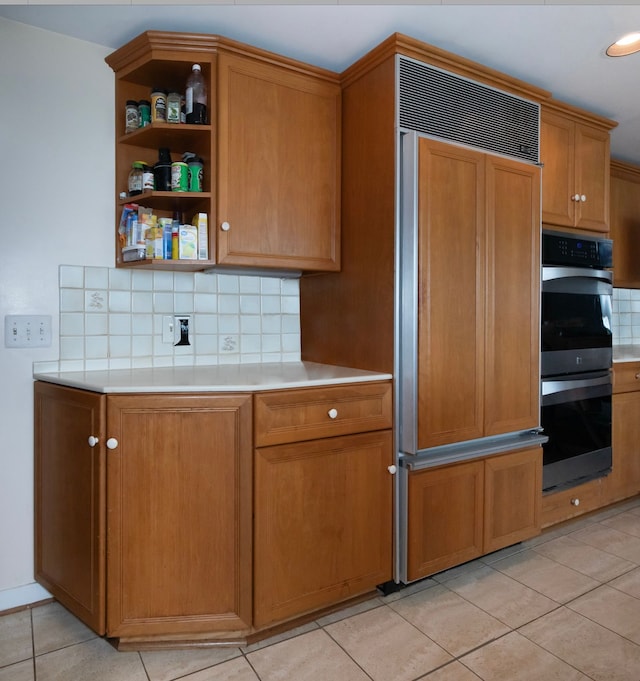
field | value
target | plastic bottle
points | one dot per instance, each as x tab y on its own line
135	178
196	97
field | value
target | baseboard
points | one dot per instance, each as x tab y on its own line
21	596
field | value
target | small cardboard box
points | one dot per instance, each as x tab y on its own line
188	242
200	223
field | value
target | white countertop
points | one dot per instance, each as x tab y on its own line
626	353
218	378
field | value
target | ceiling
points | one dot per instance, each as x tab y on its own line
558	47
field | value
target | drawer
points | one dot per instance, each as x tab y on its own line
626	377
295	415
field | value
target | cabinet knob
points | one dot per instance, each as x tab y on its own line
333	413
225	226
112	443
638	375
575	197
93	441
392	469
583	198
575	501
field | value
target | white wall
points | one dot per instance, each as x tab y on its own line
56	184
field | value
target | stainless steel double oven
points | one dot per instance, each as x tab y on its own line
576	362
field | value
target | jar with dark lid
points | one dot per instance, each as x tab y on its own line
144	112
132	116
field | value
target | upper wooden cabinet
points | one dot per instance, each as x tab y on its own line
574	150
625	223
271	150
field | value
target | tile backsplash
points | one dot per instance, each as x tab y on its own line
626	316
113	318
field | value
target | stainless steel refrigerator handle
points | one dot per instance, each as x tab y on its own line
551	272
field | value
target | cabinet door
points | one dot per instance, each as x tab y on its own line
625	224
323	523
278	170
444	517
624	479
558	174
69	499
512	498
512	344
179	514
451	214
592	178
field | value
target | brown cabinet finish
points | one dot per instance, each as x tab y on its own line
512	498
625	223
179	514
465	510
624	479
323	523
271	150
479	280
445	512
70	537
283	416
574	150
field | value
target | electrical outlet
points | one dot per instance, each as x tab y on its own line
167	329
182	329
27	331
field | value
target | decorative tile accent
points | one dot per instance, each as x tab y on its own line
114	318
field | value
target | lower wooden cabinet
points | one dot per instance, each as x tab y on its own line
164	547
323	526
155	524
462	511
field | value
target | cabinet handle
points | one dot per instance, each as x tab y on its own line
575	501
333	413
575	197
225	226
392	469
583	198
638	375
112	443
93	441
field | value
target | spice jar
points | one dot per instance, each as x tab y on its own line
158	105
173	107
144	112
135	178
132	116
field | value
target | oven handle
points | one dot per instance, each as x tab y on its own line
560	386
552	272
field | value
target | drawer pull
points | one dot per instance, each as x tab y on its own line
638	375
333	413
575	501
392	469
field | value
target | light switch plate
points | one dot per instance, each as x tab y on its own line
27	331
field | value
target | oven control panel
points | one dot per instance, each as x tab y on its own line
576	251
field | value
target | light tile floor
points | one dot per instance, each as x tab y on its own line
565	605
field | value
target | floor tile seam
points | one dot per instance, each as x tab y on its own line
539	645
346	652
604	626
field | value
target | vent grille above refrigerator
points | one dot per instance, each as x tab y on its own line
447	106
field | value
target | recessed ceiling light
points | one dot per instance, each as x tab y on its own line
628	44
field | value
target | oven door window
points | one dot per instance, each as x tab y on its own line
575	321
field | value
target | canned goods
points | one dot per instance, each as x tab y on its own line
179	177
144	112
173	107
158	106
132	116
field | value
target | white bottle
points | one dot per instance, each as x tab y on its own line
196	96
